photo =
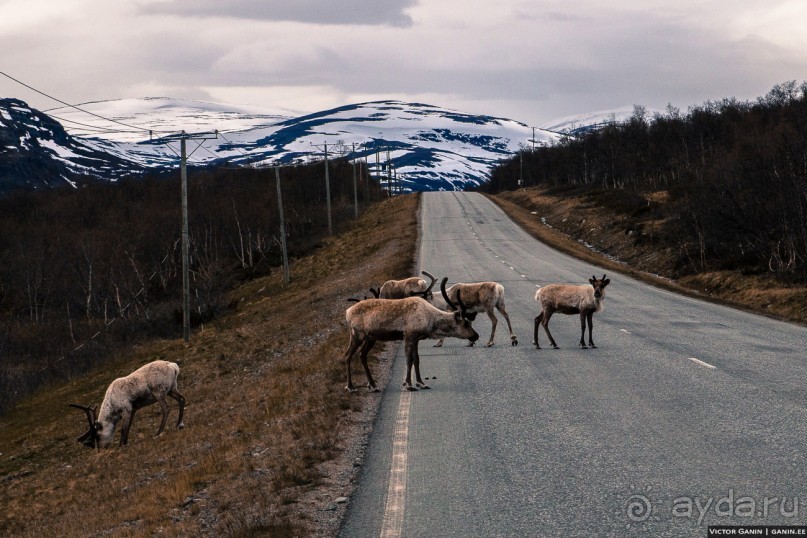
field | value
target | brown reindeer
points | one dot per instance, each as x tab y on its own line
148	384
481	297
408	287
571	299
411	319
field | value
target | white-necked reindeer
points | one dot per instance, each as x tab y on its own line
480	297
148	384
408	287
411	319
571	299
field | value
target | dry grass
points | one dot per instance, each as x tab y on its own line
270	436
574	217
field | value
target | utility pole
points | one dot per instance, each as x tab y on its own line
533	139
521	169
186	283
377	170
355	185
389	175
366	175
327	188
286	275
183	174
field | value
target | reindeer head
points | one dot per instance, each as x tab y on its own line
461	315
599	286
91	436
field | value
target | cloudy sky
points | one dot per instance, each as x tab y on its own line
528	60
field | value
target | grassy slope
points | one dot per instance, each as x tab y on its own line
271	435
643	251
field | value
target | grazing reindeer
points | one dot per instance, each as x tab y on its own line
411	319
570	299
481	297
146	385
408	287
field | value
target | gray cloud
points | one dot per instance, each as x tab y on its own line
361	12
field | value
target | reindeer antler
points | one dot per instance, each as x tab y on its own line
433	279
90	433
445	295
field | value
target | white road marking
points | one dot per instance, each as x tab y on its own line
625	331
396	493
701	363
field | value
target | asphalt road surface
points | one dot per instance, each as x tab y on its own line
687	415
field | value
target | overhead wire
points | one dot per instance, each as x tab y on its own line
79	108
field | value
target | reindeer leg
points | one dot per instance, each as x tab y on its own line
419	382
410	361
493	323
583	330
546	328
513	338
590	318
174	393
538	319
351	349
365	349
164	409
127	418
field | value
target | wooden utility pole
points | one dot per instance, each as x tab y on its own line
328	190
355	185
186	287
186	282
286	275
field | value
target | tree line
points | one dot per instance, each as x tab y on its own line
735	173
85	271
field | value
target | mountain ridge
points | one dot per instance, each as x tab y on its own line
427	147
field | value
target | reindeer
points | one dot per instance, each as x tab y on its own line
408	287
148	384
481	297
571	299
411	319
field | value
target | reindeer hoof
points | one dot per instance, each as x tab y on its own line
555	346
583	346
438	345
411	389
489	344
470	344
423	386
372	388
180	425
515	341
592	346
350	389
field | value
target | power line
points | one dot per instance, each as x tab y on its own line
94	128
79	108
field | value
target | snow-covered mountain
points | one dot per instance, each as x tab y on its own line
579	124
36	152
428	147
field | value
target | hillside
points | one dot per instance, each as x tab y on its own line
271	436
605	226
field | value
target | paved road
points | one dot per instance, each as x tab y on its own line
687	415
